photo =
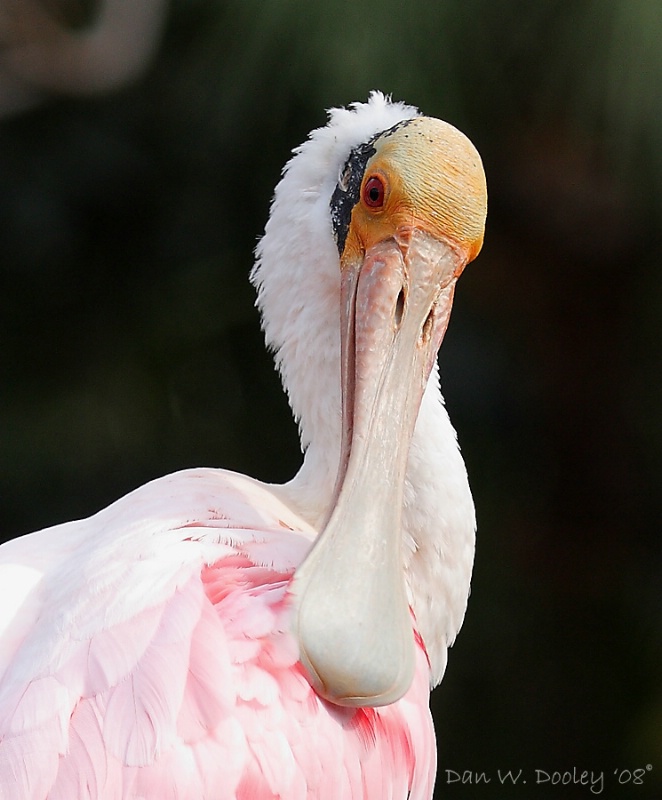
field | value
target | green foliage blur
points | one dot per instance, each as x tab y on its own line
130	347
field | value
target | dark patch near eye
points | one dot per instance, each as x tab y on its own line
348	190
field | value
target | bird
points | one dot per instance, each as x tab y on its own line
212	637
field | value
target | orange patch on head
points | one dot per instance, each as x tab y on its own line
424	174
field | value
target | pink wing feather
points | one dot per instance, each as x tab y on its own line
145	653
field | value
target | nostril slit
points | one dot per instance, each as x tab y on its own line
399	308
426	330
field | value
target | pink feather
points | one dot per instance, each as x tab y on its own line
170	672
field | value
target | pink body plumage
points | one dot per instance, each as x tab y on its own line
170	672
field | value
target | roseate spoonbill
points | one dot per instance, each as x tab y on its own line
211	636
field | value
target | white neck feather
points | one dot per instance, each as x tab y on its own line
298	281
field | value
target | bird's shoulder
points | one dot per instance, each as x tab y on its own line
150	655
137	628
82	577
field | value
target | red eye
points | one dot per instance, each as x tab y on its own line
373	192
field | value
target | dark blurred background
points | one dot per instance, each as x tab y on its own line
139	146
